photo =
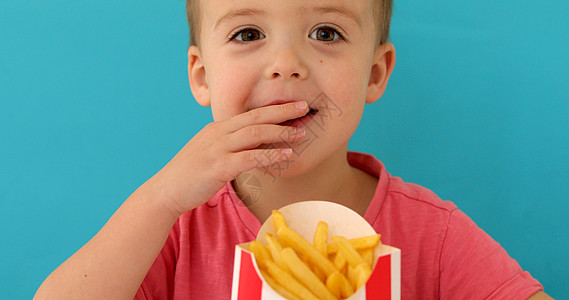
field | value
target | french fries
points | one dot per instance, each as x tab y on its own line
340	261
303	273
339	285
297	269
348	251
367	255
290	238
362	273
358	243
286	280
321	238
278	220
275	249
260	251
277	287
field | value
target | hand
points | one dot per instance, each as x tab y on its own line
221	151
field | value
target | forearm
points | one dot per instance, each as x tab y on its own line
113	264
541	295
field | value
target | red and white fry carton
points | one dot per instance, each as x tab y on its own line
384	282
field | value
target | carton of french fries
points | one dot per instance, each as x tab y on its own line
316	250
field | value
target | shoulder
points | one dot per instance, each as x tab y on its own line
445	244
392	193
416	207
418	195
454	257
391	187
469	262
414	219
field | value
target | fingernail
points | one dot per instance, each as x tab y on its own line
301	105
300	132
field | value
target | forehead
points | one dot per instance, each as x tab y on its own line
215	12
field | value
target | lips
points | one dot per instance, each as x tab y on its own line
302	120
298	122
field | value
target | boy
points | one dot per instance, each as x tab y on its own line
287	82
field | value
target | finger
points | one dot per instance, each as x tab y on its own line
253	136
247	160
272	114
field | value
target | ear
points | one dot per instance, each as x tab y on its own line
197	76
381	69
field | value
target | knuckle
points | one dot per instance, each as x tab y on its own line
254	159
254	115
255	131
226	176
211	128
233	118
252	156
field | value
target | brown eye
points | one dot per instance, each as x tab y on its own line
326	34
248	35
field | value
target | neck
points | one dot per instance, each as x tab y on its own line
332	180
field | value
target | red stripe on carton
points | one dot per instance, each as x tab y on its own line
384	282
378	285
250	284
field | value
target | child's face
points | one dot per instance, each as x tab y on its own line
258	52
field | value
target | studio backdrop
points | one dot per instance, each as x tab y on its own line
94	100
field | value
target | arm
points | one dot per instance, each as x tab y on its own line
541	295
113	264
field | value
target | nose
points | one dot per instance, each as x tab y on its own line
286	63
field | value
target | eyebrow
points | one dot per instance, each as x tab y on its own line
245	12
334	9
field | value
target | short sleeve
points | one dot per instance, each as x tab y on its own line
474	266
159	281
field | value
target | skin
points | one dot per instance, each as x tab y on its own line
240	82
287	61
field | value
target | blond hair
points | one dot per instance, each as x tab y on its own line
381	13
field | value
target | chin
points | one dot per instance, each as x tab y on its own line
296	167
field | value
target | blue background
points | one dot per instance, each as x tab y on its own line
95	100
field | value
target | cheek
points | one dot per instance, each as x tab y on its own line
345	85
230	90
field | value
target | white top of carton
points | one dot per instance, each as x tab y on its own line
304	216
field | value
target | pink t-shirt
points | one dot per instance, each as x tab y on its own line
444	255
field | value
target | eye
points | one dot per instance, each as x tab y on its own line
248	35
326	34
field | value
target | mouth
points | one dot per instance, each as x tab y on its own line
298	122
